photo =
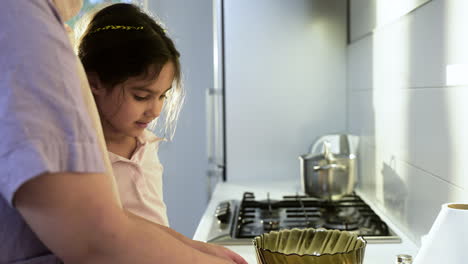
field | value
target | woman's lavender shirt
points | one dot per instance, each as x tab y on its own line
44	126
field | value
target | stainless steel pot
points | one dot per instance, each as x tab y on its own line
328	175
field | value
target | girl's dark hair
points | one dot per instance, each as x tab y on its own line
121	41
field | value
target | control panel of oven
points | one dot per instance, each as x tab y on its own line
224	220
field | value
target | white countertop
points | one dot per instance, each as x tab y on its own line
374	254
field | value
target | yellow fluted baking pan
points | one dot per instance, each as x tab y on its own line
309	246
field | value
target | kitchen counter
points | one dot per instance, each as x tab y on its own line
375	253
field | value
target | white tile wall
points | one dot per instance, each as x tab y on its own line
413	127
371	14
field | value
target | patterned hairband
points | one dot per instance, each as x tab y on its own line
114	27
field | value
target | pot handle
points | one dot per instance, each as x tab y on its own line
329	167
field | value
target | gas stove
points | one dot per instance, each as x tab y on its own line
238	222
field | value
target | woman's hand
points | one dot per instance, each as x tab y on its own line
220	251
210	249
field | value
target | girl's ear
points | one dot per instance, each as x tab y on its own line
95	83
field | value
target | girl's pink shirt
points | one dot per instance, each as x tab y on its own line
139	180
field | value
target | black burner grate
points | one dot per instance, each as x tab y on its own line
256	217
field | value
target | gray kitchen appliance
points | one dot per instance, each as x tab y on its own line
237	222
331	173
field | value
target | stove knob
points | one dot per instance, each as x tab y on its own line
224	205
223	216
222	213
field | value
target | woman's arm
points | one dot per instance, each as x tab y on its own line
78	218
207	248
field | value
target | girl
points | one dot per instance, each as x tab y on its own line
133	70
134	74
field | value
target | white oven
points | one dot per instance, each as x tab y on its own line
221	224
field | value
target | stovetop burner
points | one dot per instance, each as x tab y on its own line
270	224
250	217
346	218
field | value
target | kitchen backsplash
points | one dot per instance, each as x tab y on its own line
412	125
